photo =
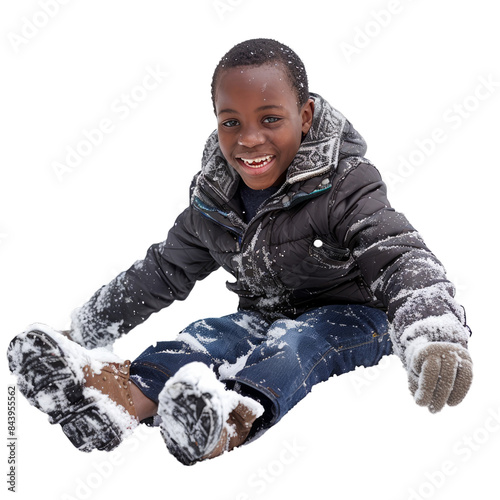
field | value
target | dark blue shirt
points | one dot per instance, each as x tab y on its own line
252	199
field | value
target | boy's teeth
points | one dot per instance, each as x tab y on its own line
257	161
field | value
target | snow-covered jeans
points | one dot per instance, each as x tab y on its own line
277	363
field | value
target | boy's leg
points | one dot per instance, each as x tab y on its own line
200	418
300	353
221	343
144	407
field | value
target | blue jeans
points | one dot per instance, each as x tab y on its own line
276	363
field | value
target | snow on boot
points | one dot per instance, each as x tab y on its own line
201	418
86	392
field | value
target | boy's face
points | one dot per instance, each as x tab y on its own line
259	123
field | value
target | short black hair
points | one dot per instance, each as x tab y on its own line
259	51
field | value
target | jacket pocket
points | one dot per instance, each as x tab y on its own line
328	255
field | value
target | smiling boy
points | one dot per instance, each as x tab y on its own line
329	277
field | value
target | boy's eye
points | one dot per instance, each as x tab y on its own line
230	123
271	119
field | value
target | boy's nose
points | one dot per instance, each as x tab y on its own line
251	138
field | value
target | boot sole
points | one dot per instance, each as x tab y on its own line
51	384
192	421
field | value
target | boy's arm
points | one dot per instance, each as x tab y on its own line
168	272
428	326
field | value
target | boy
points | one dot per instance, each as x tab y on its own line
329	277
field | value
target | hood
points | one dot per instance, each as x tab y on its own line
330	139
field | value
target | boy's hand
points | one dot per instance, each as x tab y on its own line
440	373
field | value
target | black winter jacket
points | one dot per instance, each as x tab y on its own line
328	236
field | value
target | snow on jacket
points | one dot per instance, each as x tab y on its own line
328	236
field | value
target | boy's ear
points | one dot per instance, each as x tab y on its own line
307	113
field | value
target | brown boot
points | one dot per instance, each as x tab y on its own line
93	405
235	432
113	381
201	419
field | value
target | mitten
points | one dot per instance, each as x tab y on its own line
440	373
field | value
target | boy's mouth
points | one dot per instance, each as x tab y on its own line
259	162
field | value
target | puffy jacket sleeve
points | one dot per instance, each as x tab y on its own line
168	272
402	273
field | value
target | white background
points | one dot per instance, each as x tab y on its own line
402	72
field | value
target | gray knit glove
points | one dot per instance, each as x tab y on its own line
440	373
